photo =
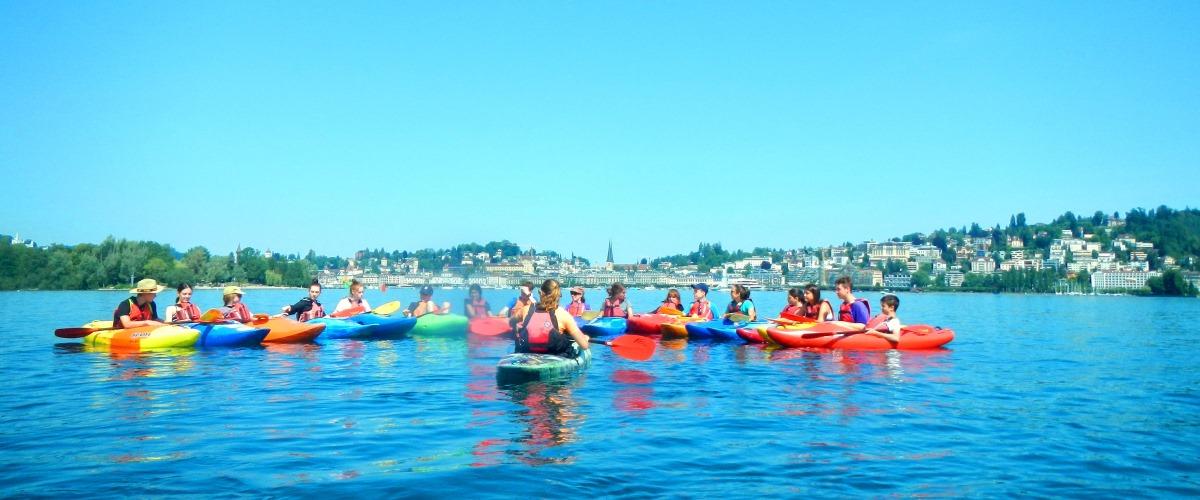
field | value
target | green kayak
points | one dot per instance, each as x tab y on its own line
442	325
524	367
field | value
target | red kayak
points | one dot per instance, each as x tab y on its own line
647	324
912	337
489	326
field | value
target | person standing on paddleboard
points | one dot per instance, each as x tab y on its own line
139	310
547	328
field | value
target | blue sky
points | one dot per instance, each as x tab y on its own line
343	125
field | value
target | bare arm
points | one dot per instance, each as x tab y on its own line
127	323
572	329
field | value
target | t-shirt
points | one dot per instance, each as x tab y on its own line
345	303
432	308
891	325
123	309
859	312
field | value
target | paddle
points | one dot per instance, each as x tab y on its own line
797	318
591	315
211	316
480	326
669	311
737	318
635	347
387	308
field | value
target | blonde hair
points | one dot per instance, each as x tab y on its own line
551	293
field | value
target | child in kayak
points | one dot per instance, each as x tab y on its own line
139	310
673	301
425	305
853	310
547	328
516	308
740	302
615	305
578	303
354	300
475	305
701	307
234	309
886	325
814	307
183	309
795	303
308	307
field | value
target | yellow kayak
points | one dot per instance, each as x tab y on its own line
141	338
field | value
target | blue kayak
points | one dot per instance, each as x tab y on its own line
728	330
227	334
386	327
602	327
699	329
343	328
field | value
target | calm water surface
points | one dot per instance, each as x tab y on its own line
1038	395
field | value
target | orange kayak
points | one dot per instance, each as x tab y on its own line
290	331
677	327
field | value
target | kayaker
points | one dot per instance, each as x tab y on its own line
673	301
814	306
425	304
578	303
183	309
139	310
475	305
795	303
234	309
547	328
355	299
740	302
701	307
517	306
853	310
615	305
308	307
886	325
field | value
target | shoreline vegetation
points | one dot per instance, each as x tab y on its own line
1056	257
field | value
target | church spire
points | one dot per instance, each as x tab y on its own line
610	258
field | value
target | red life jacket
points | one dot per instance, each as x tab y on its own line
576	308
237	313
701	308
844	313
814	310
877	322
519	308
314	311
540	333
135	313
187	312
796	310
614	309
479	309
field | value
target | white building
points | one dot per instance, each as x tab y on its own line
1121	280
983	265
954	279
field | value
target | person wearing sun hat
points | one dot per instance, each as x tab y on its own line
234	309
578	303
139	310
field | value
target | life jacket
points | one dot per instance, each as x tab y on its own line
844	313
666	304
576	308
479	309
540	333
314	311
796	310
238	312
518	309
183	312
614	309
877	322
136	313
701	308
813	310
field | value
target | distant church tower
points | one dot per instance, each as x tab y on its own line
608	263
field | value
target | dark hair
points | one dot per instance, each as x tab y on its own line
891	300
742	291
529	284
179	289
815	291
315	283
615	289
844	280
796	293
475	288
354	283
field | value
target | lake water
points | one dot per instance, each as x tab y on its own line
1038	395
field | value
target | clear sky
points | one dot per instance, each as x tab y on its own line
342	125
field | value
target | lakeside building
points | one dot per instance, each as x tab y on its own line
1104	281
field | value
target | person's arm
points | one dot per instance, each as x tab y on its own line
342	305
825	311
470	311
893	333
366	306
572	329
300	307
752	313
171	310
445	309
421	309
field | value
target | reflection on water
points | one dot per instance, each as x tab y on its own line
548	415
635	391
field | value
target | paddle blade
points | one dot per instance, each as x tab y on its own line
738	318
635	347
669	311
388	308
591	315
346	313
77	332
797	318
489	327
210	315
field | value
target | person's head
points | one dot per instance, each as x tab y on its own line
889	303
577	294
475	292
616	291
739	293
673	296
843	287
699	291
231	295
526	289
550	296
812	294
426	293
183	293
356	289
314	290
147	290
795	296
